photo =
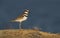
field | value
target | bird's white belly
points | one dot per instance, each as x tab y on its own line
24	18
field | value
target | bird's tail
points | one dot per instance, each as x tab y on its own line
7	21
12	21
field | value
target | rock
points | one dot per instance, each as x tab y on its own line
26	33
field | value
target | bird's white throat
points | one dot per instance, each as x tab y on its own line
26	12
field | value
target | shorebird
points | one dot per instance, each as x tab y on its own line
22	17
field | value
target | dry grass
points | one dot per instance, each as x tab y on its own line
26	34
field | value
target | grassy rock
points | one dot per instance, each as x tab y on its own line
29	33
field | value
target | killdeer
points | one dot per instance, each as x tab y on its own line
22	17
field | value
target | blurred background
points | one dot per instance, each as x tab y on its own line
44	14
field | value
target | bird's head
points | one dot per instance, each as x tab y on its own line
26	11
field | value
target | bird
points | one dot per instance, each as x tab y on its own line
21	17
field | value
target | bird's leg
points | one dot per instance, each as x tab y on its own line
20	25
